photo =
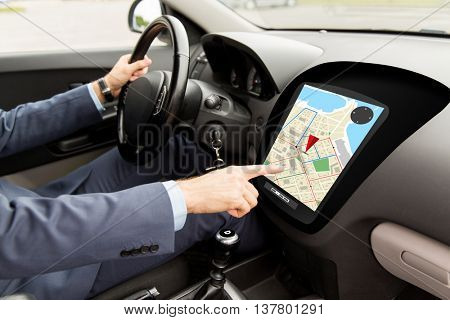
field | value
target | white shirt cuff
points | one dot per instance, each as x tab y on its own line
178	203
94	97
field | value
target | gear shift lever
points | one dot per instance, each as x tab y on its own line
226	242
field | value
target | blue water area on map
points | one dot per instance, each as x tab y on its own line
321	100
357	132
328	102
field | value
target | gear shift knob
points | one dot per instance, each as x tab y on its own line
227	238
226	242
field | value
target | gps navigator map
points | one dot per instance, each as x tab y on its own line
318	139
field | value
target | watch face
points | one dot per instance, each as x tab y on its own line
109	97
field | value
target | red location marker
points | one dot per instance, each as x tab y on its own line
312	140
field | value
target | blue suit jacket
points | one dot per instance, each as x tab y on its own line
52	247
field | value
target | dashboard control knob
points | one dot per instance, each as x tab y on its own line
213	102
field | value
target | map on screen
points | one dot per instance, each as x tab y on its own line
317	141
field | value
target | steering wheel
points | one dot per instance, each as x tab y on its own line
148	107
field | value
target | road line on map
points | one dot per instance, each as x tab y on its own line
307	128
283	159
286	141
315	147
312	191
327	157
295	117
295	175
335	175
339	160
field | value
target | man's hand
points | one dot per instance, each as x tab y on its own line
121	73
224	190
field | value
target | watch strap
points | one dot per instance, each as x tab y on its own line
106	91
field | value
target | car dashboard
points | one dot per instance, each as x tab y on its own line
388	177
257	78
238	70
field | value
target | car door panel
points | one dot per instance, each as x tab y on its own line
31	77
38	176
38	76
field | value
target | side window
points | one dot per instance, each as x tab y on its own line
55	25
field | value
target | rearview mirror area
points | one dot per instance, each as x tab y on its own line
142	13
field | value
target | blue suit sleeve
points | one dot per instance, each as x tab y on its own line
178	204
43	235
37	123
101	109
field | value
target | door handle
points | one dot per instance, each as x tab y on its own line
75	143
100	135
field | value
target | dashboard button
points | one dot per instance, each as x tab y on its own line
213	102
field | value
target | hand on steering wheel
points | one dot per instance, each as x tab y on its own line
154	100
123	71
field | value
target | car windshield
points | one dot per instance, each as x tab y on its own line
427	16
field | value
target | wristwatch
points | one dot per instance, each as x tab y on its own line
106	91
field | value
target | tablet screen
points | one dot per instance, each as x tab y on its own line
316	142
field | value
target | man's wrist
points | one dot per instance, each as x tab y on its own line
106	90
178	204
109	83
98	92
109	80
188	198
185	190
